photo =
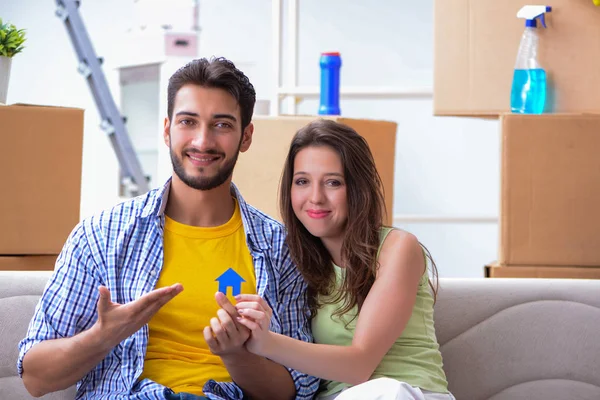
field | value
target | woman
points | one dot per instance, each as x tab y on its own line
368	285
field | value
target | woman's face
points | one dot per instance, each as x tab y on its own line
319	192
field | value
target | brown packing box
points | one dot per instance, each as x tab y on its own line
495	270
40	171
550	190
27	263
258	171
476	44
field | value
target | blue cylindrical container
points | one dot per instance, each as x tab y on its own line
330	83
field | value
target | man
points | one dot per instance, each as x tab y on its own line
115	318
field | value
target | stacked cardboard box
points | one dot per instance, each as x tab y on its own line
40	171
476	45
550	188
258	171
495	270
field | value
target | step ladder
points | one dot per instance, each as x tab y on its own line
133	179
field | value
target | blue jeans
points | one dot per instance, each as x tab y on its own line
183	396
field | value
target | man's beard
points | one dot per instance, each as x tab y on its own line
204	182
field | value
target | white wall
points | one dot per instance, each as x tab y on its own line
445	166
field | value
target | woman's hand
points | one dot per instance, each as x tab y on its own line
256	316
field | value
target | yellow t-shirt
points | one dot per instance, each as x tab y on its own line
204	261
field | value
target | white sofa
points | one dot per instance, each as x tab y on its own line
501	339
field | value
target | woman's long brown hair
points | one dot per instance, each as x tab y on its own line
366	211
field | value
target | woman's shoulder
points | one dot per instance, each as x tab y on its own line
400	247
397	238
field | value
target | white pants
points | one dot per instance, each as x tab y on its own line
387	389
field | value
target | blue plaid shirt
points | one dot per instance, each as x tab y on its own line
122	249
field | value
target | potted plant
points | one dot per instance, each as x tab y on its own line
11	43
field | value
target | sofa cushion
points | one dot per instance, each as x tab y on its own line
19	294
512	339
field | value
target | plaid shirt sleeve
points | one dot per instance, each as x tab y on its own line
294	317
68	303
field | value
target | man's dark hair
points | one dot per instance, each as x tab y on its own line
217	73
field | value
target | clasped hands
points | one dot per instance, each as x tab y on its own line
245	325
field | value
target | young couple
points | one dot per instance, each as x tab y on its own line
131	311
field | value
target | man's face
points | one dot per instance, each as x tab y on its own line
205	136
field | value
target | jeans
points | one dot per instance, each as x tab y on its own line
183	396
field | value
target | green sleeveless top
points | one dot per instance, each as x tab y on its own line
414	358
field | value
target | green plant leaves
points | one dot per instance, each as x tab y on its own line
11	39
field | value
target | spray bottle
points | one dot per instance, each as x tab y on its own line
528	94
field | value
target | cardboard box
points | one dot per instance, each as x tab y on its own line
495	270
476	45
40	171
258	171
550	190
27	263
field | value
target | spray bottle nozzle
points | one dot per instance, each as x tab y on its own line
531	13
543	20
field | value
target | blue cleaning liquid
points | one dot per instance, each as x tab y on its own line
528	94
